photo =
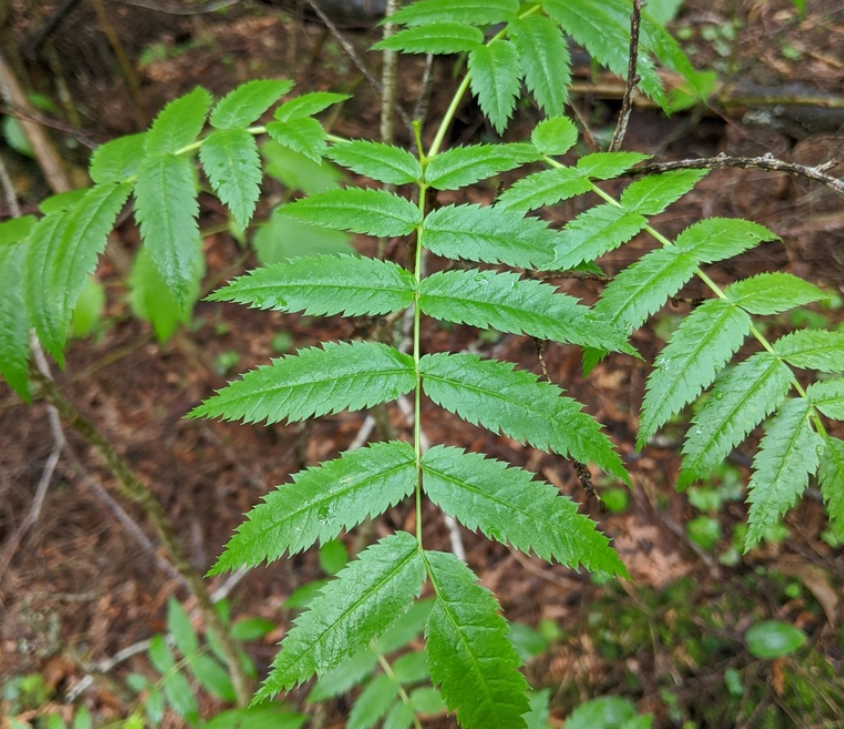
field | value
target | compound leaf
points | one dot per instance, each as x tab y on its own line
813	350
463	166
699	348
751	392
597	231
307	105
546	62
362	602
321	502
118	159
374	212
828	397
179	123
716	239
544	188
488	234
507	505
313	382
230	159
14	322
325	285
377	161
651	195
437	38
245	104
470	655
495	80
474	12
305	136
494	395
773	293
787	455
831	478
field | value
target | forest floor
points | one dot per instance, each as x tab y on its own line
80	588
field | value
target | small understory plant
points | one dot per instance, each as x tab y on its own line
487	266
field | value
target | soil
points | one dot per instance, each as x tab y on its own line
80	587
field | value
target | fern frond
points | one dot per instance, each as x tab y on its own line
831	477
544	188
362	602
507	505
492	394
230	159
813	350
321	502
463	166
787	455
242	106
546	62
118	159
325	285
652	194
474	12
751	392
437	38
469	651
699	348
496	80
828	397
381	162
595	232
773	293
314	382
179	123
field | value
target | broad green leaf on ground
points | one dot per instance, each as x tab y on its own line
374	212
166	209
231	161
774	639
554	136
179	123
314	382
546	63
813	350
701	346
716	239
437	38
507	505
828	397
362	602
470	655
297	172
595	232
751	392
321	502
641	289
652	194
475	12
307	105
503	302
607	712
245	104
118	159
305	136
773	293
788	454
463	166
283	238
495	78
502	399
488	234
377	161
373	703
152	300
831	478
14	322
325	285
607	165
544	188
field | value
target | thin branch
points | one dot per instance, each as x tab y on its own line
632	78
388	77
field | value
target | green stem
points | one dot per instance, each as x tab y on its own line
417	356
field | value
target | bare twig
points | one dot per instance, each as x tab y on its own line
388	77
632	78
420	111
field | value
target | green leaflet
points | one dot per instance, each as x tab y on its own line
831	477
346	675
118	159
176	686
787	455
495	80
437	38
494	395
297	172
607	165
554	136
242	106
651	195
321	502
325	285
751	392
63	201
544	188
546	64
381	162
14	322
16	230
362	602
230	159
400	715
773	293
487	234
179	123
507	505
373	703
464	166
166	209
502	301
469	651
281	239
314	382
474	12
595	232
305	136
705	341
716	239
307	105
373	212
828	397
813	350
